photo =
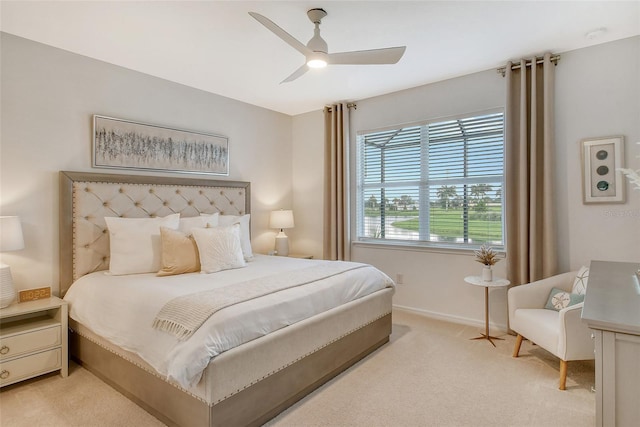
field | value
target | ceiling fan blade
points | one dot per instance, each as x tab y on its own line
389	55
288	38
297	73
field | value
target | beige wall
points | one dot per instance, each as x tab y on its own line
308	184
48	99
597	94
49	95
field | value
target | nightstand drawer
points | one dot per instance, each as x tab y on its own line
30	366
29	342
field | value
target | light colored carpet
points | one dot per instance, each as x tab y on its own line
430	374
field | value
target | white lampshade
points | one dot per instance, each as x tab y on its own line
281	219
11	239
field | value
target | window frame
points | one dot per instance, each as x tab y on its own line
424	186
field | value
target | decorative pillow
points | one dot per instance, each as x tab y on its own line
202	221
580	282
179	253
135	243
245	231
559	299
219	248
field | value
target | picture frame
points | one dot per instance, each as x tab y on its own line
602	180
125	144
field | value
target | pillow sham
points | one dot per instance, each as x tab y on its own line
559	299
179	253
204	220
135	245
245	231
219	248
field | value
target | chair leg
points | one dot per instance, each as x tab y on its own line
516	349
563	374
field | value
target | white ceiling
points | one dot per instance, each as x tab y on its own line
217	47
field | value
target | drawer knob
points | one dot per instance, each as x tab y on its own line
4	374
4	349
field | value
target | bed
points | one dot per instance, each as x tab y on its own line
247	384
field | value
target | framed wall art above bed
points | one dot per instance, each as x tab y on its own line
125	144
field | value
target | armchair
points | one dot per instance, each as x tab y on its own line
562	333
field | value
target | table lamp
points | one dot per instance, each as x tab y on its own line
281	219
11	239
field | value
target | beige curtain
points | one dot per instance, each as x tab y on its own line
529	167
336	195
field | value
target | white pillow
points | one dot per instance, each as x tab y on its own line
202	221
219	248
580	282
245	231
135	243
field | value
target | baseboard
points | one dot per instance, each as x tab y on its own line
451	318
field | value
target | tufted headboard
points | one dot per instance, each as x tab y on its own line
86	198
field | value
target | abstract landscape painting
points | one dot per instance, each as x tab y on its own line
119	143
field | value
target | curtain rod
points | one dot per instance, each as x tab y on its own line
349	105
503	70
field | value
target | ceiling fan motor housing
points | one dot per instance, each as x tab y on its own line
316	15
317	43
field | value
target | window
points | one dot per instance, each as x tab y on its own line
435	183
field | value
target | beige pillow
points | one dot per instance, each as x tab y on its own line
179	253
219	248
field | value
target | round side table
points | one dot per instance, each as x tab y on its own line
495	283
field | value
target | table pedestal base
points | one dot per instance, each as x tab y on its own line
487	337
478	281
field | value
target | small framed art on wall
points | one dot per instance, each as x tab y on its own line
602	180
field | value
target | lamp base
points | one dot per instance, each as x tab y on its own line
282	244
7	291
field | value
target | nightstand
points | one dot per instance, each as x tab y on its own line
33	340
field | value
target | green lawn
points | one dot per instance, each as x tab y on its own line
483	226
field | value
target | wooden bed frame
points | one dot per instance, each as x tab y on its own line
253	405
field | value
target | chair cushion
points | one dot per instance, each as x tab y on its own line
538	325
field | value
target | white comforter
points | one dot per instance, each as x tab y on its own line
122	309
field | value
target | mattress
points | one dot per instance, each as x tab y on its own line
121	309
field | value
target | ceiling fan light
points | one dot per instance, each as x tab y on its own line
317	63
317	60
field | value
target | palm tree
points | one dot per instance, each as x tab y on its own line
445	194
405	201
372	202
479	195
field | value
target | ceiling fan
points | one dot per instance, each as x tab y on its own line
317	54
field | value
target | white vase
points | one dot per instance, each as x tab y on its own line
487	273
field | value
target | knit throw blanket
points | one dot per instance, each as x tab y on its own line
183	315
